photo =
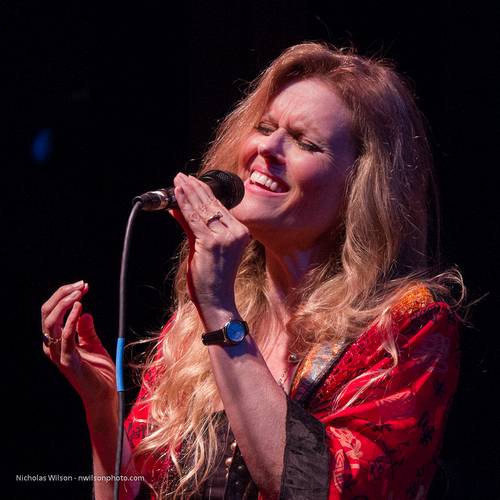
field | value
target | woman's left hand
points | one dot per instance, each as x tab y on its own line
217	241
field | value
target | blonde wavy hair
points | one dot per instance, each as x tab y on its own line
383	248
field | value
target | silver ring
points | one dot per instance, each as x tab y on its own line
217	216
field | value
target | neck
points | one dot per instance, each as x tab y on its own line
285	270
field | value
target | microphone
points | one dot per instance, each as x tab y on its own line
227	187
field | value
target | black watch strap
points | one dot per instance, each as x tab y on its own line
232	333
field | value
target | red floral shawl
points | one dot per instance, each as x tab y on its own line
386	443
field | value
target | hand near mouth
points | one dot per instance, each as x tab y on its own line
217	241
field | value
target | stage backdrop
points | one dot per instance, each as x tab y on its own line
103	103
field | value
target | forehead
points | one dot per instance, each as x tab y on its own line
310	104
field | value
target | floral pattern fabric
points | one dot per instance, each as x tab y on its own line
384	444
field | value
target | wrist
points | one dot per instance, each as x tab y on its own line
215	317
102	414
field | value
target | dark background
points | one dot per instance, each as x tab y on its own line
129	94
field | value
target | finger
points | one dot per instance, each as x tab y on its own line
58	295
201	197
203	191
203	212
209	197
52	325
86	331
220	224
68	337
190	190
211	210
208	194
53	352
199	208
196	225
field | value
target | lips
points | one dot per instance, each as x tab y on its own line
276	185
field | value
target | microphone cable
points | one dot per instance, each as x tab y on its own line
120	346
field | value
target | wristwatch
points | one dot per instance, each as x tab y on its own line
232	333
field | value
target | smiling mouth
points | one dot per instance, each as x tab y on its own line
266	182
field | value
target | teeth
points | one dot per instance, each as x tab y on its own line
263	180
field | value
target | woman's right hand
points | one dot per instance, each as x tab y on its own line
74	347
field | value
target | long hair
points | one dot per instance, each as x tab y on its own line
387	243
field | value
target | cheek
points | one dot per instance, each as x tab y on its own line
316	174
323	194
247	152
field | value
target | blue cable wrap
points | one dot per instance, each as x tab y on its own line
120	347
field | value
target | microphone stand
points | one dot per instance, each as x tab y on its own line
120	345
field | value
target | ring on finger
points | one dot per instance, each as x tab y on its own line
215	217
48	340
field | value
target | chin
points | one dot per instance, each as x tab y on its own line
242	211
250	215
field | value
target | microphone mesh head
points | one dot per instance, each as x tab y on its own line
228	188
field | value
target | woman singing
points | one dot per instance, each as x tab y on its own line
312	350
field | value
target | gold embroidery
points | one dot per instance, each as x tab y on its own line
415	299
304	367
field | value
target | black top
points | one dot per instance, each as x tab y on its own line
305	465
215	486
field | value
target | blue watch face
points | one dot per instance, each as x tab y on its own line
235	331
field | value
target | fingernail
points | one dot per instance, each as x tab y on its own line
78	284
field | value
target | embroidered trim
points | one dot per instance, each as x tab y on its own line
414	300
314	367
319	361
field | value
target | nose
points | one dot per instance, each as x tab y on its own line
271	146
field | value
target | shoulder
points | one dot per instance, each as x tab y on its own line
422	329
418	311
415	314
413	301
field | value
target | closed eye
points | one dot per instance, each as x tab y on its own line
264	128
267	129
308	145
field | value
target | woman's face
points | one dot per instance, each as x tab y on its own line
294	164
